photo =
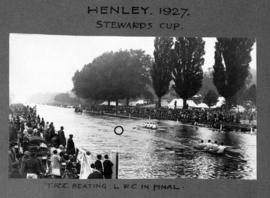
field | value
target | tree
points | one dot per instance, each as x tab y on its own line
210	98
207	83
231	68
161	68
65	99
187	71
113	76
137	76
87	83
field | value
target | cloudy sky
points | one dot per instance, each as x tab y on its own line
46	63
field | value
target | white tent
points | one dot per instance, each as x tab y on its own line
191	103
138	102
202	105
221	101
112	103
179	103
164	103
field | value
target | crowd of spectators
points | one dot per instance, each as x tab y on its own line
37	150
198	116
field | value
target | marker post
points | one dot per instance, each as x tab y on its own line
119	133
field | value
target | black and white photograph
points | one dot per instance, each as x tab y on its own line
132	107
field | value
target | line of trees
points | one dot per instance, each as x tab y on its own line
66	99
177	65
180	60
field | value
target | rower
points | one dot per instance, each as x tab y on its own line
202	145
214	147
154	126
221	148
208	145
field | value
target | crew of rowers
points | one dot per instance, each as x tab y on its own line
212	147
150	125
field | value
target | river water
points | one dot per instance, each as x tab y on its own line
167	152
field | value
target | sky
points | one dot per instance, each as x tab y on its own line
47	63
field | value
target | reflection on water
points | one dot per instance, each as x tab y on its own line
164	153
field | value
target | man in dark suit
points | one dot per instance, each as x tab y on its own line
98	164
70	146
107	165
61	137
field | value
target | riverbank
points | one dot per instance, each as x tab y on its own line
113	115
219	125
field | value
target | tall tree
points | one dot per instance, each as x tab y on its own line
210	98
161	68
207	83
231	68
187	71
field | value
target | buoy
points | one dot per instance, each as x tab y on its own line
119	133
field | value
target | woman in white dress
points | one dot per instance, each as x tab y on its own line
55	164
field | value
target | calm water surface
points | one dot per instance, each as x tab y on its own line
164	153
